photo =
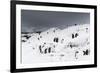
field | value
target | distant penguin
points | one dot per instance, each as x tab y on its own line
62	40
76	54
53	30
86	52
86	29
45	51
75	24
56	40
76	34
49	50
72	36
40	48
40	36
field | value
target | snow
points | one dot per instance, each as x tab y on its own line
66	48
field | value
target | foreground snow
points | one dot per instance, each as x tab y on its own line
56	45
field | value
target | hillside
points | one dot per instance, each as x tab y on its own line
56	45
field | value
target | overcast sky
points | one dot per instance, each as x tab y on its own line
32	20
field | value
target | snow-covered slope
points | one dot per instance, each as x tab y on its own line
56	45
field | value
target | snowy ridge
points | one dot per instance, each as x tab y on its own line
55	45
